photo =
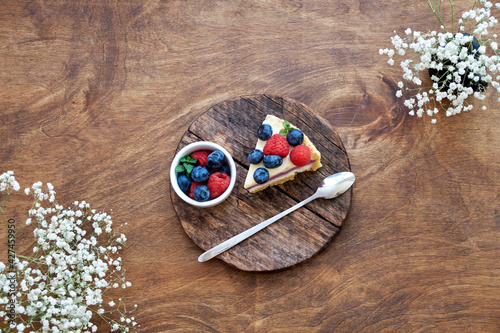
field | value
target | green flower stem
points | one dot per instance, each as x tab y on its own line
452	2
2	210
437	12
475	3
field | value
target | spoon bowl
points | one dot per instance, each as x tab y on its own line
334	185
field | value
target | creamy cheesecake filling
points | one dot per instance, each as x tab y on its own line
283	174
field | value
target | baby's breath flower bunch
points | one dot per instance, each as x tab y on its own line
459	64
61	286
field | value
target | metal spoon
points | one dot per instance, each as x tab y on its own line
331	187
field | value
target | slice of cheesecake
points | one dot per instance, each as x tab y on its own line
287	169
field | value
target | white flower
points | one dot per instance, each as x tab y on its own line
66	273
450	60
8	182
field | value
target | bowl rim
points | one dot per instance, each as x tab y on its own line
202	145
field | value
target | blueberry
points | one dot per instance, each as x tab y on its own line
201	193
225	169
265	132
295	137
272	161
255	156
261	176
215	160
200	174
184	183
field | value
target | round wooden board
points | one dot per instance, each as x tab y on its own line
297	237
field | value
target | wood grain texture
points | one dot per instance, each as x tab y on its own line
97	94
295	238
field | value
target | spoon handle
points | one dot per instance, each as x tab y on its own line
226	245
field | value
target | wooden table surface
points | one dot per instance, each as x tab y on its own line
97	94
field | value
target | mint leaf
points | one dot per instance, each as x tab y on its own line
286	125
179	169
189	168
187	159
283	132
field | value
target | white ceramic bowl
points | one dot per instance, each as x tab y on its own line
202	145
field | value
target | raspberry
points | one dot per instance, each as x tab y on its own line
218	184
300	155
201	156
193	186
276	145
